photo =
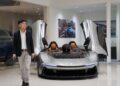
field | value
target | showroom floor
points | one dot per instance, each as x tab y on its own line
109	75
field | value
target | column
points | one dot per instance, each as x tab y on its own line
118	32
108	23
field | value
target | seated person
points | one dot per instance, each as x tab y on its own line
66	48
68	54
53	46
73	45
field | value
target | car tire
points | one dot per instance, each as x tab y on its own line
38	69
38	66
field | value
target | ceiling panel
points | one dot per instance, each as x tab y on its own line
24	8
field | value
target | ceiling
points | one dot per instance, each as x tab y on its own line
69	4
83	5
24	8
36	9
89	8
77	5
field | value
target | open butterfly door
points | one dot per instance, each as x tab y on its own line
38	32
90	31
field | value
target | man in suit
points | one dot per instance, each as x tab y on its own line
24	50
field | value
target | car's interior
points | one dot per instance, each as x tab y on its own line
70	50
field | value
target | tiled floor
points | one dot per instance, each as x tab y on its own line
109	75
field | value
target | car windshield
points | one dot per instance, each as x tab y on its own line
3	33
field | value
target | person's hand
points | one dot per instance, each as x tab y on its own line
33	56
14	56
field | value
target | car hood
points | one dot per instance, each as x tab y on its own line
49	60
69	62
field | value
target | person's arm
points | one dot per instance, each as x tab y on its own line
32	46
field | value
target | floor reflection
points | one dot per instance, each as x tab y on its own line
109	75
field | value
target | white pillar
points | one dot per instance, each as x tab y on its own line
118	32
108	22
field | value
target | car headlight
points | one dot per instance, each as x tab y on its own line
89	65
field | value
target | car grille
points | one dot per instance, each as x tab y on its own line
70	73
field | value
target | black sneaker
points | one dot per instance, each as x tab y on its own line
23	83
26	84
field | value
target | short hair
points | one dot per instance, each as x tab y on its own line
20	21
66	48
73	42
53	42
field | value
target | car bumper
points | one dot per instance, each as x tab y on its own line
69	67
70	72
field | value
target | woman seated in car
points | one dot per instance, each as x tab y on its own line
73	46
53	46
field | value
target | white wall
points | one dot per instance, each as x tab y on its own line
53	15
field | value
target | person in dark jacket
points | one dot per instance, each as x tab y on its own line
24	50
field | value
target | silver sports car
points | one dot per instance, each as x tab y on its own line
70	60
75	64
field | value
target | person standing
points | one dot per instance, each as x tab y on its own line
23	49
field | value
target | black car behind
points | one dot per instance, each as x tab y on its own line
6	48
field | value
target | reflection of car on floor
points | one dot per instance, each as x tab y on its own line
66	63
5	47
